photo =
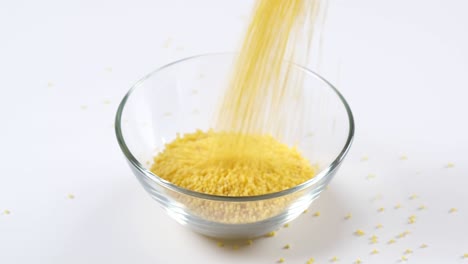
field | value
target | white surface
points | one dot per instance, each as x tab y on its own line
402	66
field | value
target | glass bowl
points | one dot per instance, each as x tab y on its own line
182	97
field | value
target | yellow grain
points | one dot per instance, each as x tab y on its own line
450	165
261	83
403	234
359	232
263	166
408	251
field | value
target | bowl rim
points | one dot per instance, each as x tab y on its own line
158	180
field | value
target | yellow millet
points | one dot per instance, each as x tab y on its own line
230	164
359	232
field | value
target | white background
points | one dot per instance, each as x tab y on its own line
64	66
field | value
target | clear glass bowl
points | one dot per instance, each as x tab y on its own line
182	97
